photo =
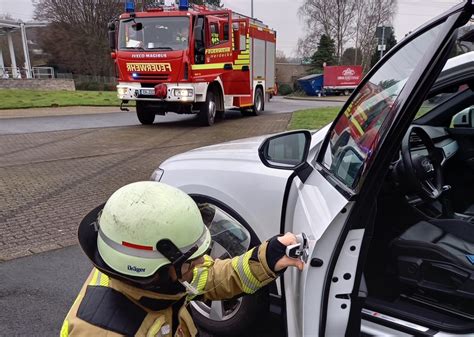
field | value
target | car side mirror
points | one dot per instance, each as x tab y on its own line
287	151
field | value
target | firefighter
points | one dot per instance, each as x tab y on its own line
148	245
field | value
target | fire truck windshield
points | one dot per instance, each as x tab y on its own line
159	33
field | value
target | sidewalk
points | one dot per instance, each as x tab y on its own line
61	111
339	99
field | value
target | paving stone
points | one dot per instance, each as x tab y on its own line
50	180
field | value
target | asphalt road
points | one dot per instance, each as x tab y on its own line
36	293
118	119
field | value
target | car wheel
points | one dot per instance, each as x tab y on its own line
145	116
234	317
207	114
258	103
347	92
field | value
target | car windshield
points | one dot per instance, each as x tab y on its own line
356	132
163	33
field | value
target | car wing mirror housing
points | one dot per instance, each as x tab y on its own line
287	151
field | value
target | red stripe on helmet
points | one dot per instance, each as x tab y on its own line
133	245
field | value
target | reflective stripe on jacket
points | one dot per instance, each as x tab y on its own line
108	307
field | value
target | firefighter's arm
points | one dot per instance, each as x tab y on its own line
245	274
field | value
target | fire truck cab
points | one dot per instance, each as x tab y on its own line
192	60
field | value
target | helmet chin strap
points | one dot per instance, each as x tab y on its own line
177	258
174	254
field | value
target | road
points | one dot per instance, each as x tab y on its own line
117	119
53	170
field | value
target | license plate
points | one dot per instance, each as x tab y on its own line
147	92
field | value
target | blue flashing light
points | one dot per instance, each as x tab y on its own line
183	5
134	75
130	6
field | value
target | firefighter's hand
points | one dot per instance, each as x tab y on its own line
285	261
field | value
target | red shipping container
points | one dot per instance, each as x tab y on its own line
342	76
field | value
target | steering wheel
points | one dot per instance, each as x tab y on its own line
423	171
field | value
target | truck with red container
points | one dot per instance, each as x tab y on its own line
335	80
192	60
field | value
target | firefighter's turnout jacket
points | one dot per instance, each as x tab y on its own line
106	306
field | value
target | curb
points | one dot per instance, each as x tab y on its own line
314	99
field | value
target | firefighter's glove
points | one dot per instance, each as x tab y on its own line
276	256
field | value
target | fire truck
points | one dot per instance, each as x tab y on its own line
192	60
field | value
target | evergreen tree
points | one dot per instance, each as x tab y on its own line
326	53
390	41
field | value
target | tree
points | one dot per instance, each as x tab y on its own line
281	57
350	56
330	17
345	21
390	41
76	38
325	54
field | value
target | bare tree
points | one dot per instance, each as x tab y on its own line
76	38
375	13
333	18
281	56
344	21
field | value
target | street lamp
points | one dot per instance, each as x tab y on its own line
251	8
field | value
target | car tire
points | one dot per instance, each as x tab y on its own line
347	92
145	116
258	102
207	113
251	308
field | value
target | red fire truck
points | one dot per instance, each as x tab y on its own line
192	59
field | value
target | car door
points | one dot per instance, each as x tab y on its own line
334	203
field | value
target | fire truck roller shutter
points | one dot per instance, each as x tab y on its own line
270	66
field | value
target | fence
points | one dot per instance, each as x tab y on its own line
21	73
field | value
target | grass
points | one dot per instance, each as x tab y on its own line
16	99
313	118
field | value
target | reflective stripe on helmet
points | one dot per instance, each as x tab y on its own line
131	249
241	265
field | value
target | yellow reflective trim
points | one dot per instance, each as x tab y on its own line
156	327
243	57
241	266
207	66
64	329
357	125
242	62
104	280
94	277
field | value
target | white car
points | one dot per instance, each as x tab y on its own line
384	195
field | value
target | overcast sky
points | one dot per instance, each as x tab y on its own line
282	16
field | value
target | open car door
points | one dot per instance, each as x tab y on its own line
331	196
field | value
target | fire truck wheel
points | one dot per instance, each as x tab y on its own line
259	102
145	116
208	110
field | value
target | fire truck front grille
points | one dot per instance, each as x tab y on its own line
152	77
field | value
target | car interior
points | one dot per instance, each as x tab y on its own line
420	263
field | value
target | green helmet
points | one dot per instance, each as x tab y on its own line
147	225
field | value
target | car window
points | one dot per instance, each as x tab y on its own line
440	98
357	130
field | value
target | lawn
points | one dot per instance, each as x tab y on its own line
14	99
313	118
